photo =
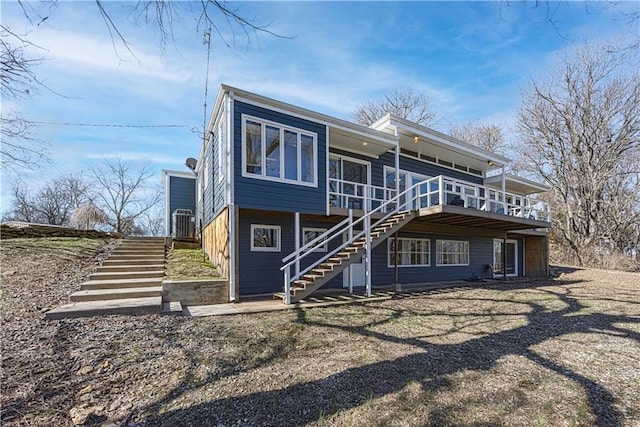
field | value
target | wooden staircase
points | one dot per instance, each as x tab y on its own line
331	267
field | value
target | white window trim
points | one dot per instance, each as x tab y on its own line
220	140
206	166
282	128
452	240
428	243
322	248
263	248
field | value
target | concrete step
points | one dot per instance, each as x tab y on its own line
135	257
120	284
150	252
128	306
120	293
127	275
128	267
143	238
141	261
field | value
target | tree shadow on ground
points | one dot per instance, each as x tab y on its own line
314	400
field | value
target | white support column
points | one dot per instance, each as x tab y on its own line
350	269
441	188
367	224
296	222
504	191
397	153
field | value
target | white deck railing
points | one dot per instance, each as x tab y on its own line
438	191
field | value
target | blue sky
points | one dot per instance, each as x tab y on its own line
471	58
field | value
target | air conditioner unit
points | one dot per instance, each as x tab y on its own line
183	223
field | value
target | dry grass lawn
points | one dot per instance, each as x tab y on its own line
558	352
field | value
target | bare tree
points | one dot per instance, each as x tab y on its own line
489	137
52	204
402	102
581	133
123	192
19	79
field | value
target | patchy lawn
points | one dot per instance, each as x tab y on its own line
188	264
562	351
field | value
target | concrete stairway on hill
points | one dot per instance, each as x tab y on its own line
129	282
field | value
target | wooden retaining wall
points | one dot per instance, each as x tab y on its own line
216	242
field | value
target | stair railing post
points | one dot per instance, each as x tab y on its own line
367	225
349	269
287	285
296	233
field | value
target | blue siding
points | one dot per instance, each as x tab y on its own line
182	195
480	256
268	195
260	271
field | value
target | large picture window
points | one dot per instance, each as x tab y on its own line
265	238
452	252
279	153
411	252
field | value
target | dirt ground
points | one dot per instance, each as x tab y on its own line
557	352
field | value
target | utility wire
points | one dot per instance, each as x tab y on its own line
106	125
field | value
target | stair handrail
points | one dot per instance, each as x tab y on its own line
345	225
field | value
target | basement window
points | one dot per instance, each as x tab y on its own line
265	238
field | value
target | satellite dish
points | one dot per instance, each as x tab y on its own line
191	163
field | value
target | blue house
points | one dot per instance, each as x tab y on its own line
291	200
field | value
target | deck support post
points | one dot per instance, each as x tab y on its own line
350	269
367	225
296	233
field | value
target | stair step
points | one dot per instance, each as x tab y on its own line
119	293
141	261
120	283
128	267
116	257
128	306
150	252
127	275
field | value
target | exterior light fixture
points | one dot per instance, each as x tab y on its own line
365	143
490	163
416	139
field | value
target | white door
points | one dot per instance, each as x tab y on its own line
355	272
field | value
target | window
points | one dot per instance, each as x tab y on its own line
309	233
279	153
411	252
452	252
265	238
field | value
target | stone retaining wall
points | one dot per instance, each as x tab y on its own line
25	230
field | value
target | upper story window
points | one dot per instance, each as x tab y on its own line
279	153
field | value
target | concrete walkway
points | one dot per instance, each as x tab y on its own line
319	299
